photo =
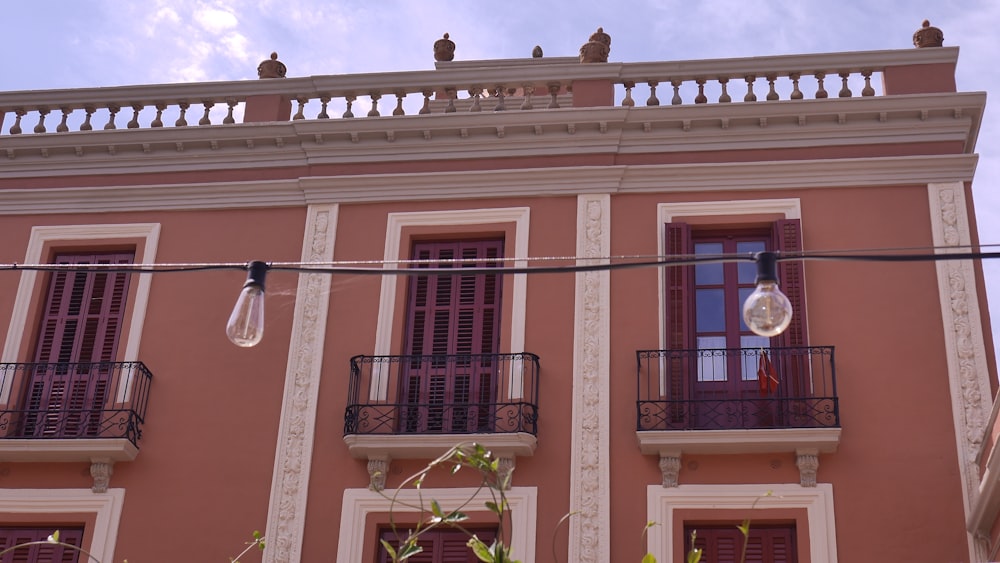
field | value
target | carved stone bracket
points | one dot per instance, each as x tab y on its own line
101	469
378	468
505	469
807	460
670	465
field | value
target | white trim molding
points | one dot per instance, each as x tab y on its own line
965	344
286	512
106	506
590	496
817	501
359	503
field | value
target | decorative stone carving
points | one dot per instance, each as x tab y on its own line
378	468
536	52
670	465
807	460
505	469
444	49
928	36
272	68
101	469
597	49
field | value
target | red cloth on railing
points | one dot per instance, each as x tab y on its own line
767	378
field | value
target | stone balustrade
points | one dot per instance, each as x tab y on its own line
506	85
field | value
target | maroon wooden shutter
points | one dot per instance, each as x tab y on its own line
442	545
80	326
788	239
679	329
449	316
724	544
11	536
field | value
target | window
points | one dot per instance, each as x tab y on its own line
714	356
452	336
442	545
77	340
50	553
724	543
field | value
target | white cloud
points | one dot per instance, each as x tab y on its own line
215	20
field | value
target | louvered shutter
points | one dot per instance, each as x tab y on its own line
80	328
441	545
679	329
452	332
724	544
50	553
788	239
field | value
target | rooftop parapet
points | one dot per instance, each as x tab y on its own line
529	84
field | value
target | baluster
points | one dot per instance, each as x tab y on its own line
181	120
701	98
500	96
375	96
204	118
40	126
452	94
426	108
15	129
628	102
301	112
229	119
676	100
134	122
868	90
399	103
323	100
158	120
724	97
350	101
772	95
554	91
820	91
86	126
750	97
652	100
63	127
112	113
474	93
845	91
529	90
796	93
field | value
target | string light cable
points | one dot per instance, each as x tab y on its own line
766	311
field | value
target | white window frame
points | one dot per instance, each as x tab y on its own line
662	502
359	503
107	508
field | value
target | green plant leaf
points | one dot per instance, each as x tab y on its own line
694	556
54	538
493	507
410	549
648	558
479	548
389	549
744	528
436	510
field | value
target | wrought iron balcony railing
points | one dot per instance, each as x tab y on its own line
443	394
719	389
73	400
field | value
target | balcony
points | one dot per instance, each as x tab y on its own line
72	411
737	400
418	406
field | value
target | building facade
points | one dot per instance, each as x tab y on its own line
612	377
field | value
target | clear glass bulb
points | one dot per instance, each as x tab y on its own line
767	311
246	325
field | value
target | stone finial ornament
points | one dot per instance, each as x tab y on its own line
597	49
271	68
444	49
536	52
928	36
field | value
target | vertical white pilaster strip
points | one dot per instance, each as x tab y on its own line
286	513
590	498
965	344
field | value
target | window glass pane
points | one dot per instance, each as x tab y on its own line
710	308
711	363
707	274
748	270
751	358
744	293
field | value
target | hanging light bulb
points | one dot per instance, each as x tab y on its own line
767	312
246	324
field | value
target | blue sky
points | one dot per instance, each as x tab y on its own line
90	43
